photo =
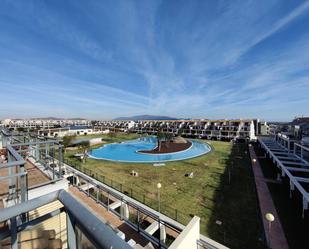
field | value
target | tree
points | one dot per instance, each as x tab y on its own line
112	134
161	136
67	141
168	137
85	145
20	129
180	131
93	123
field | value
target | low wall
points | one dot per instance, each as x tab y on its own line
188	238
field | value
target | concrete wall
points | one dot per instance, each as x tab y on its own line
46	189
189	236
95	141
252	130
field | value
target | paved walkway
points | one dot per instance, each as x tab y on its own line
276	236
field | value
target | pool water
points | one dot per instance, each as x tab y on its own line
128	151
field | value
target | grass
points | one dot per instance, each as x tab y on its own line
112	137
212	194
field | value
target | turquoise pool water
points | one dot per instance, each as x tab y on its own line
128	151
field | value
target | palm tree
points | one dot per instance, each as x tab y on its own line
112	135
160	138
179	132
168	138
67	141
85	145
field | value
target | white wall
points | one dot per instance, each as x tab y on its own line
252	131
188	238
46	189
94	141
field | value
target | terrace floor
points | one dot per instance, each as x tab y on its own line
34	175
276	236
115	222
289	208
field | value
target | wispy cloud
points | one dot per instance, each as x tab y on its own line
280	24
196	58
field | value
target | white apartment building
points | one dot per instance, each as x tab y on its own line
210	129
44	123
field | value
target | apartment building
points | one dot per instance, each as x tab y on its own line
66	131
210	129
44	123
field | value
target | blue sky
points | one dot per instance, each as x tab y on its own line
199	59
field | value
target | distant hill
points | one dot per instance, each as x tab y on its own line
300	120
146	117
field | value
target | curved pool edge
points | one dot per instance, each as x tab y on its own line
156	161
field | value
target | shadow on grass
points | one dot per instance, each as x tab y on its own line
235	204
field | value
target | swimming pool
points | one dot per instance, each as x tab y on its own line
128	151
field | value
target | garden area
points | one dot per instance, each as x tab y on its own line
221	190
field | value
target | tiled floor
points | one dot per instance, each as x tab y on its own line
277	237
108	216
35	177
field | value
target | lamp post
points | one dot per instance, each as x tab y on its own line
158	187
220	223
270	218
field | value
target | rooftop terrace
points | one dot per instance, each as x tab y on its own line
41	210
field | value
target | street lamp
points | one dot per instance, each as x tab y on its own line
270	218
158	187
220	223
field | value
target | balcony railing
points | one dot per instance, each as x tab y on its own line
78	217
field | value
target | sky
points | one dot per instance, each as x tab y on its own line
192	59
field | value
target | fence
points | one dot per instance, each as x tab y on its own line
139	194
135	193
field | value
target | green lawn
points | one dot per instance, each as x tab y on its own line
208	195
114	137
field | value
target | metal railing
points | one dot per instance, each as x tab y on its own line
78	216
18	147
267	145
138	194
139	214
16	174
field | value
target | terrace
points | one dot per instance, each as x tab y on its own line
41	213
288	199
289	157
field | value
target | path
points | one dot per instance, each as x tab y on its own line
276	236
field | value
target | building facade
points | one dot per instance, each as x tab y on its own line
44	123
210	129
